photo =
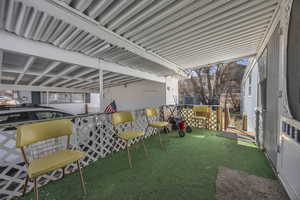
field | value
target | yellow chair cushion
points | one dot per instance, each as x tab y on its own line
158	124
151	112
30	133
53	161
121	117
131	134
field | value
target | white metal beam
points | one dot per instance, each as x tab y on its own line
79	79
59	75
11	42
101	92
1	63
39	88
78	19
80	85
47	70
62	82
28	64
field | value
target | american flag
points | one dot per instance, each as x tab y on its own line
111	108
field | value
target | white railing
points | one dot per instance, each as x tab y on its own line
291	129
289	156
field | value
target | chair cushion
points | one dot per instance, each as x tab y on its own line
53	161
159	124
131	134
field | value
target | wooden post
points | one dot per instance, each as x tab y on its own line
219	118
245	122
226	123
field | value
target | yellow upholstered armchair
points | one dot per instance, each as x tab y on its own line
29	134
150	113
202	113
119	118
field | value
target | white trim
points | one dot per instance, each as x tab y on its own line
40	88
11	42
1	63
261	48
101	91
249	68
271	29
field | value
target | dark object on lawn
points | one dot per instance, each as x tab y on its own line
188	129
179	124
181	133
173	122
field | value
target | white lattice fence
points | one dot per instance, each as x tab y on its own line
186	112
93	134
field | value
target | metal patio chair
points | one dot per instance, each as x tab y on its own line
119	118
29	134
202	113
152	113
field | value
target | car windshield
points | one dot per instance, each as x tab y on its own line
41	115
14	117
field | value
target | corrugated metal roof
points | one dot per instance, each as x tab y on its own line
187	33
28	22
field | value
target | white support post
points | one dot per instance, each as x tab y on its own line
1	63
101	92
47	98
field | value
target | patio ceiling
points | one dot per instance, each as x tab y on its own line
151	35
135	39
20	70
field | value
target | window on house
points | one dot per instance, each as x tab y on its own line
62	97
250	84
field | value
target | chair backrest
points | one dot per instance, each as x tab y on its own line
151	112
202	110
31	133
121	117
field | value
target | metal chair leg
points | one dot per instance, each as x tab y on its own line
145	149
81	177
63	172
128	154
25	186
36	189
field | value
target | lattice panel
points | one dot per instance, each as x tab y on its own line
188	114
93	134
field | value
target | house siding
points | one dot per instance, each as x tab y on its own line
249	101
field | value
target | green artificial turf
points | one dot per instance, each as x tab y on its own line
187	169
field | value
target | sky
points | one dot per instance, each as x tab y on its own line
241	62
